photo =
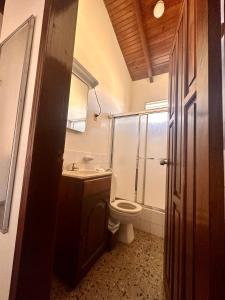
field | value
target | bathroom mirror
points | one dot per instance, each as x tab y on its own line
14	65
81	82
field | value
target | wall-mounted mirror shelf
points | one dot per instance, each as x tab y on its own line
81	82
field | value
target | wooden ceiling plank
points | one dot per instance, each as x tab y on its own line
138	65
125	27
143	38
128	47
164	68
130	41
133	54
128	51
139	76
122	8
111	5
126	44
129	30
121	14
160	42
141	68
124	36
128	20
167	22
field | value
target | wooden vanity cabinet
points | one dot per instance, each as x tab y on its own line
81	234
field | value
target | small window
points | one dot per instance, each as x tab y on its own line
162	104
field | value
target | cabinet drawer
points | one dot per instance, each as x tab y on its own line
97	185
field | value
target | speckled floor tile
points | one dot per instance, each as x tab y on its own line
127	272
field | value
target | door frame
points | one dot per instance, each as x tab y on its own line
32	266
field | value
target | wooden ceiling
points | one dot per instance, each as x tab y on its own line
144	40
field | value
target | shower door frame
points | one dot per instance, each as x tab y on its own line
139	114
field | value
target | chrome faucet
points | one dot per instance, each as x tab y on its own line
74	167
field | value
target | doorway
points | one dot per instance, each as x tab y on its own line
89	149
32	209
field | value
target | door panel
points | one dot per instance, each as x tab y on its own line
173	80
176	252
93	228
178	115
168	224
191	45
189	198
194	233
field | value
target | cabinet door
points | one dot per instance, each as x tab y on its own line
93	229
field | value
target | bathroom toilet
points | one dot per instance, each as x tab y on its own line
125	212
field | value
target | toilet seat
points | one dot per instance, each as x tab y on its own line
124	206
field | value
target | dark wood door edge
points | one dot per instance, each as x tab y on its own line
2	6
26	179
37	216
222	30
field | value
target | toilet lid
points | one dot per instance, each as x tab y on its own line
126	206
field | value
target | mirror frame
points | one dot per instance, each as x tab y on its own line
79	71
84	76
30	23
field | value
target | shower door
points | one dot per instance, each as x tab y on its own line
152	175
124	156
139	144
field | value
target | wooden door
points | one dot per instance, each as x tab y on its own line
194	229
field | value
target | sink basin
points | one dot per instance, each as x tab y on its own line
85	173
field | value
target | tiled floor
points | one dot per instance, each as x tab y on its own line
128	272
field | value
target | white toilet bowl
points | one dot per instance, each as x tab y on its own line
125	212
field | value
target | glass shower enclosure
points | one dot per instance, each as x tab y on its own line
139	144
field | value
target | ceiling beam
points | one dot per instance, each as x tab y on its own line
143	38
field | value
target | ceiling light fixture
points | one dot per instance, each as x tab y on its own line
159	9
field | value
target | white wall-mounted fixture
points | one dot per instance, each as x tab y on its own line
88	157
159	9
83	74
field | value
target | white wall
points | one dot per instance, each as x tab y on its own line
97	49
143	91
16	12
151	221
